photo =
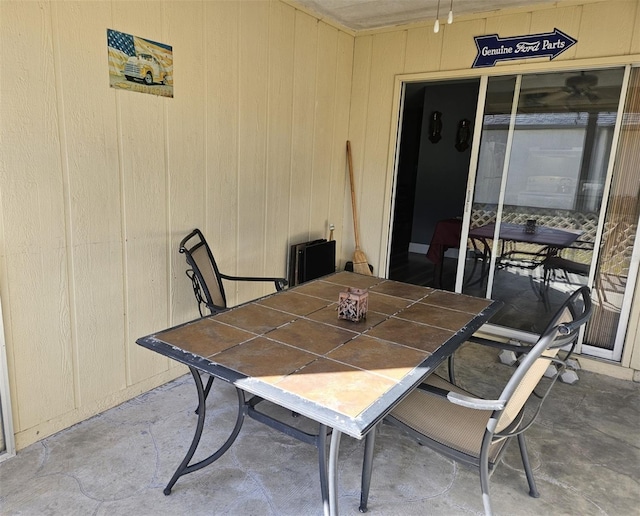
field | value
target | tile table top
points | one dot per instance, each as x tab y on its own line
291	348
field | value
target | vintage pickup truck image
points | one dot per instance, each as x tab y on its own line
140	65
146	68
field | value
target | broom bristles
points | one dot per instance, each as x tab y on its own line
360	264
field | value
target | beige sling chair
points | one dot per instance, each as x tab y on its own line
475	431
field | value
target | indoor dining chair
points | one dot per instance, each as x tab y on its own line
475	431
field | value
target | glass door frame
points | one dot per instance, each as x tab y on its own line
503	181
616	353
625	310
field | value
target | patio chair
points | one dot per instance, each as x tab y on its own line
557	264
475	431
557	267
206	278
208	289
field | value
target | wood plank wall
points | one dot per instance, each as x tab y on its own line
100	185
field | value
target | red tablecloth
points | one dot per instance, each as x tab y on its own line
446	235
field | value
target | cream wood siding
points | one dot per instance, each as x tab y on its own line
608	33
99	185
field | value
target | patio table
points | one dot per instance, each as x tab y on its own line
542	235
551	240
291	349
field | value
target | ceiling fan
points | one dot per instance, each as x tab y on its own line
581	86
576	89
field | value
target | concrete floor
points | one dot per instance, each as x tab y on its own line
584	447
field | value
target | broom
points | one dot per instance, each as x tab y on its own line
360	264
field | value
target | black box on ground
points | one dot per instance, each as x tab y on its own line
310	260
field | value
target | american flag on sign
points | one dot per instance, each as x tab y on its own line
120	46
121	41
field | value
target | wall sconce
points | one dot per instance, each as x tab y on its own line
463	135
435	127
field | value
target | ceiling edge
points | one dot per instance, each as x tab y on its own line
320	17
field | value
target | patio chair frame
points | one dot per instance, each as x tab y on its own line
206	279
561	333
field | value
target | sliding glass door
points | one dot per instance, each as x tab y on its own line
616	269
549	210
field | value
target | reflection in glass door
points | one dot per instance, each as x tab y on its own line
617	261
542	175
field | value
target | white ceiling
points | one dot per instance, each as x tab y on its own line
372	14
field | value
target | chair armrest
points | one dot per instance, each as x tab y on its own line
462	399
475	403
280	283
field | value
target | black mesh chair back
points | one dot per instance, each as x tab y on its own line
203	272
206	278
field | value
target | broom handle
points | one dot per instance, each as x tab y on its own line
353	195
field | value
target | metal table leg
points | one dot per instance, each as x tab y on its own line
184	466
206	390
367	465
321	444
319	440
333	472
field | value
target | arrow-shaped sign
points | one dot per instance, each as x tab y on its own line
493	48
